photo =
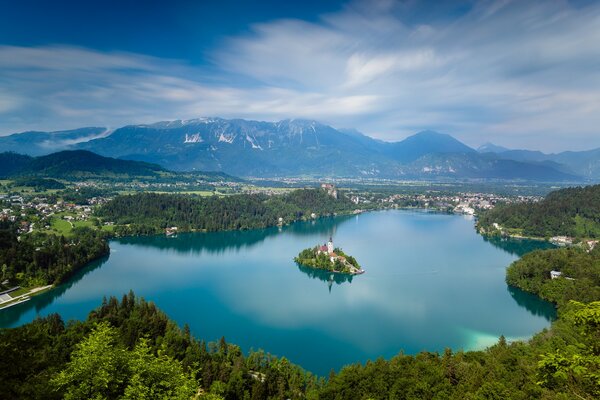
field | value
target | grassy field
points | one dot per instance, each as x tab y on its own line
61	226
81	224
108	228
18	292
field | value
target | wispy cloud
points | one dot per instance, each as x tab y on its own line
515	72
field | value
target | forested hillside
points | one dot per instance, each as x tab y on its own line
151	212
571	212
38	259
580	271
130	350
74	164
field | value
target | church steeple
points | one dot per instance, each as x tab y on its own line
330	245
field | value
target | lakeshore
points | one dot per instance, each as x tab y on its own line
245	286
12	297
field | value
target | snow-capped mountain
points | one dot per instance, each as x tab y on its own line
294	148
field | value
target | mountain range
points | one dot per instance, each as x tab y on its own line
583	163
301	148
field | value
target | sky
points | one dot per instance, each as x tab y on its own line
522	74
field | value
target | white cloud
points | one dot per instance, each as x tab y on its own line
514	72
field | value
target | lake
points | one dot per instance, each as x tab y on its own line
431	282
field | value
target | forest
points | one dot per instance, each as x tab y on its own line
129	349
146	213
580	279
38	259
571	212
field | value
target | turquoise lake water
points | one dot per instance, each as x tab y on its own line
431	282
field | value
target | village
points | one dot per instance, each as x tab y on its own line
49	212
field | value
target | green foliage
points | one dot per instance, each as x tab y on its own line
576	368
311	258
571	212
39	184
151	212
156	377
37	258
129	349
580	278
96	369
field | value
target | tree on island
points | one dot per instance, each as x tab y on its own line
329	259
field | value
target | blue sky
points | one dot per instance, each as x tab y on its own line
523	74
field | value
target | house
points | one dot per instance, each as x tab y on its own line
591	244
561	240
555	274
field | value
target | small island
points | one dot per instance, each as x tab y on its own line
328	258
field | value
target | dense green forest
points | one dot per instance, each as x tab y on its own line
571	212
580	279
151	212
39	184
130	350
38	259
74	164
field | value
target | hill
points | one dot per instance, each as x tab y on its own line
296	148
571	212
74	164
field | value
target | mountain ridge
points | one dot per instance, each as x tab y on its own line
302	147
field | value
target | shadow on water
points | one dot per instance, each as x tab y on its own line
9	316
533	303
328	277
518	247
219	242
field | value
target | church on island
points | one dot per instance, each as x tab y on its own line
327	249
330	259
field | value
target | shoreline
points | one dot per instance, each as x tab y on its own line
409	210
22	298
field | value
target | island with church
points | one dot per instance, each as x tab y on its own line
328	258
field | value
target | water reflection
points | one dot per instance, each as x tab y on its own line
328	277
431	282
220	242
518	247
533	303
38	303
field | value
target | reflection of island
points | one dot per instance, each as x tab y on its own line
326	276
330	259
